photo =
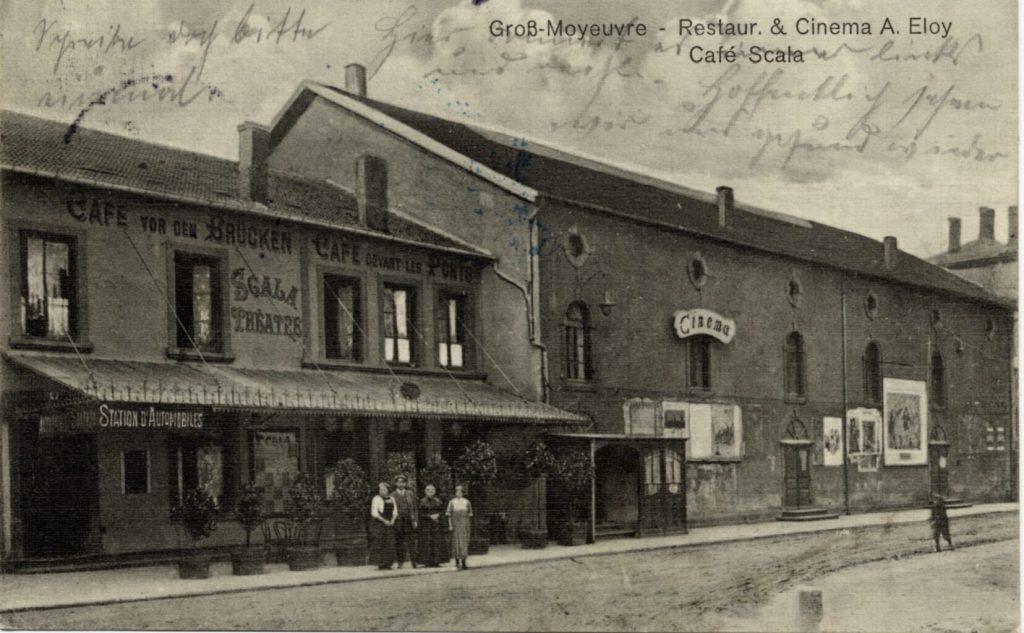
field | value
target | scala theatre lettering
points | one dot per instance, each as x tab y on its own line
148	418
262	287
699	321
258	322
343	252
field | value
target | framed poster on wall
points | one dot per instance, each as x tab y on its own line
832	433
275	466
905	422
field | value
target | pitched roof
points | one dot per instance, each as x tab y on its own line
608	189
40	146
979	252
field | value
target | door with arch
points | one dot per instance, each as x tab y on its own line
796	466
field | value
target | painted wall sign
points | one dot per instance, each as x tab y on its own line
259	322
342	251
262	238
262	286
148	418
700	321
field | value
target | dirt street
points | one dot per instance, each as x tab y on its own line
688	589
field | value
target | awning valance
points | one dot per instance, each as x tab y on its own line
315	391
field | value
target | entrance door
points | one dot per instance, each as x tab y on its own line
62	497
938	465
617	480
663	494
797	475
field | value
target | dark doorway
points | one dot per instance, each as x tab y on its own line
796	489
60	496
617	490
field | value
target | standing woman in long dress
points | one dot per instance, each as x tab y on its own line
460	515
431	546
383	513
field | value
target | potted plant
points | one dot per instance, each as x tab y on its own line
303	550
249	560
534	462
197	513
572	469
352	493
477	466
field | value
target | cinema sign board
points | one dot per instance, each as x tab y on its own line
700	321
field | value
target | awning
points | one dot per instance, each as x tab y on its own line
307	390
614	437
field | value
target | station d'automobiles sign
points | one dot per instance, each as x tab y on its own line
700	321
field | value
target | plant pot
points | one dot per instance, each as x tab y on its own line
575	534
351	552
533	538
479	544
193	566
302	557
248	561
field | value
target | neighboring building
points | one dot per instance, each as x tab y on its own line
176	320
993	266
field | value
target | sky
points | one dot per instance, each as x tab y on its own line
882	133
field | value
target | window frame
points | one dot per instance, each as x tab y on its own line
794	367
937	389
694	345
872	384
78	314
413	318
360	333
221	305
583	327
465	317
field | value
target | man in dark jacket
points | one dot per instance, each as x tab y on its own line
408	521
940	522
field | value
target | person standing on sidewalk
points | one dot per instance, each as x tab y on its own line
408	521
460	516
431	547
940	522
382	528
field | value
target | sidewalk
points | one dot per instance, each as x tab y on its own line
41	591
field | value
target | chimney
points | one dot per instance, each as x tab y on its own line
889	250
355	79
726	205
372	191
1011	223
253	151
986	223
954	235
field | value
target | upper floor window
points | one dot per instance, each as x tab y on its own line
399	315
451	322
795	366
873	374
938	381
48	286
342	318
699	365
577	342
198	302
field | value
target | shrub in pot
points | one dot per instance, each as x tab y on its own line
249	560
477	466
197	513
307	505
572	468
351	503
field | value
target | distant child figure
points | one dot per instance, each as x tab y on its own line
940	522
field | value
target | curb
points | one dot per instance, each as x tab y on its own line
824	527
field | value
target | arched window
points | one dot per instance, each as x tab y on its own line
873	374
577	342
938	381
794	369
699	364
